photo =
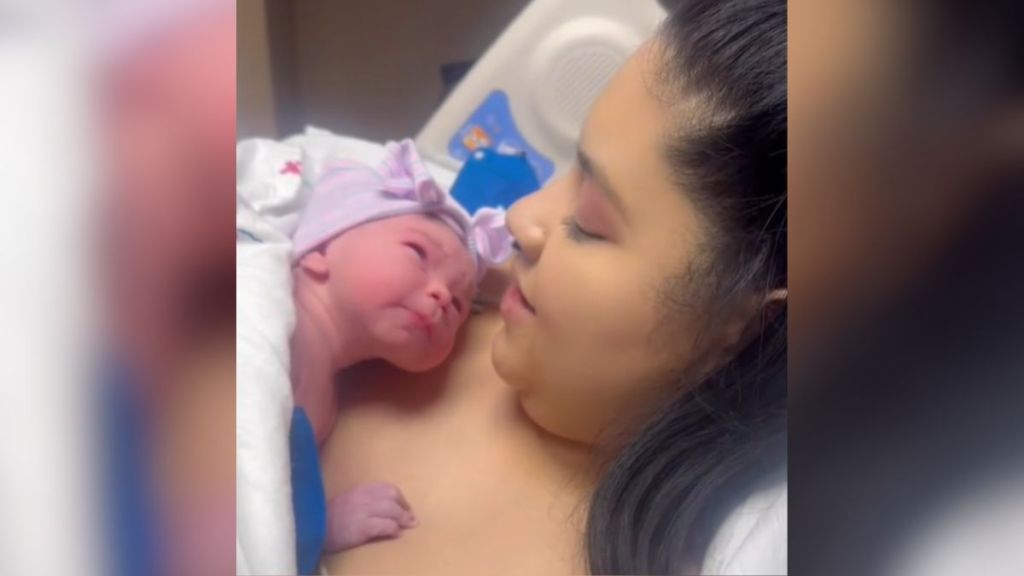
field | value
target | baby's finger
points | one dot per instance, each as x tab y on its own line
409	521
400	498
392	492
386	509
381	528
391	509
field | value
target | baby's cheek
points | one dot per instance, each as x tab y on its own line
441	348
372	283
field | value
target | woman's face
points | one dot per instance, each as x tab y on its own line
581	342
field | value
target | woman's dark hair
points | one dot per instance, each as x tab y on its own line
661	500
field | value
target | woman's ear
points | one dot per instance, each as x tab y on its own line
775	302
314	264
772	304
746	323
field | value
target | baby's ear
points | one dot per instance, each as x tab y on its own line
314	264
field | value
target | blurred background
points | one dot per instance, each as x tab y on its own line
117	352
906	180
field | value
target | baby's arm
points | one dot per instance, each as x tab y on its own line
365	513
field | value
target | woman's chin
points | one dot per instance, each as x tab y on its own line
510	364
507	362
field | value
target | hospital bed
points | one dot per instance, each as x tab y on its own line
531	90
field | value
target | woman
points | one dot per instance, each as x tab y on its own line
637	389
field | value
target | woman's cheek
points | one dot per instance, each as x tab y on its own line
567	407
596	355
580	307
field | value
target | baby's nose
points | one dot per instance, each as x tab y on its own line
440	294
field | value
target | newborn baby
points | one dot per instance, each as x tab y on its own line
385	267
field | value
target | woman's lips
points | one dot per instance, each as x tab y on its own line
514	304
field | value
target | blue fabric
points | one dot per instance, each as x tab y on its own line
130	502
308	500
495	180
492	125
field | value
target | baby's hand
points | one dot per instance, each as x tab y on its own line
365	513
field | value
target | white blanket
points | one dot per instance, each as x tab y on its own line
753	540
270	197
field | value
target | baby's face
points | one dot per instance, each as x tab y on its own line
408	281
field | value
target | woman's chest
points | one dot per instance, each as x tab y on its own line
472	520
487	498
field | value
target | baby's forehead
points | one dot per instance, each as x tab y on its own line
435	230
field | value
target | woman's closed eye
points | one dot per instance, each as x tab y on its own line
577	233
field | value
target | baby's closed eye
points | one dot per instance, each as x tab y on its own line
418	249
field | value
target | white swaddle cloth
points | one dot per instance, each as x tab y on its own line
270	198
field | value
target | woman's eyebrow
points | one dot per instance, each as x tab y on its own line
604	184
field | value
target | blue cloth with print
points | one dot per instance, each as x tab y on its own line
492	179
492	126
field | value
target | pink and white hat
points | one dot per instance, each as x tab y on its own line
347	193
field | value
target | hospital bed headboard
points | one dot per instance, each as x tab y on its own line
531	90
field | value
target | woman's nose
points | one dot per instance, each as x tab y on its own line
526	226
